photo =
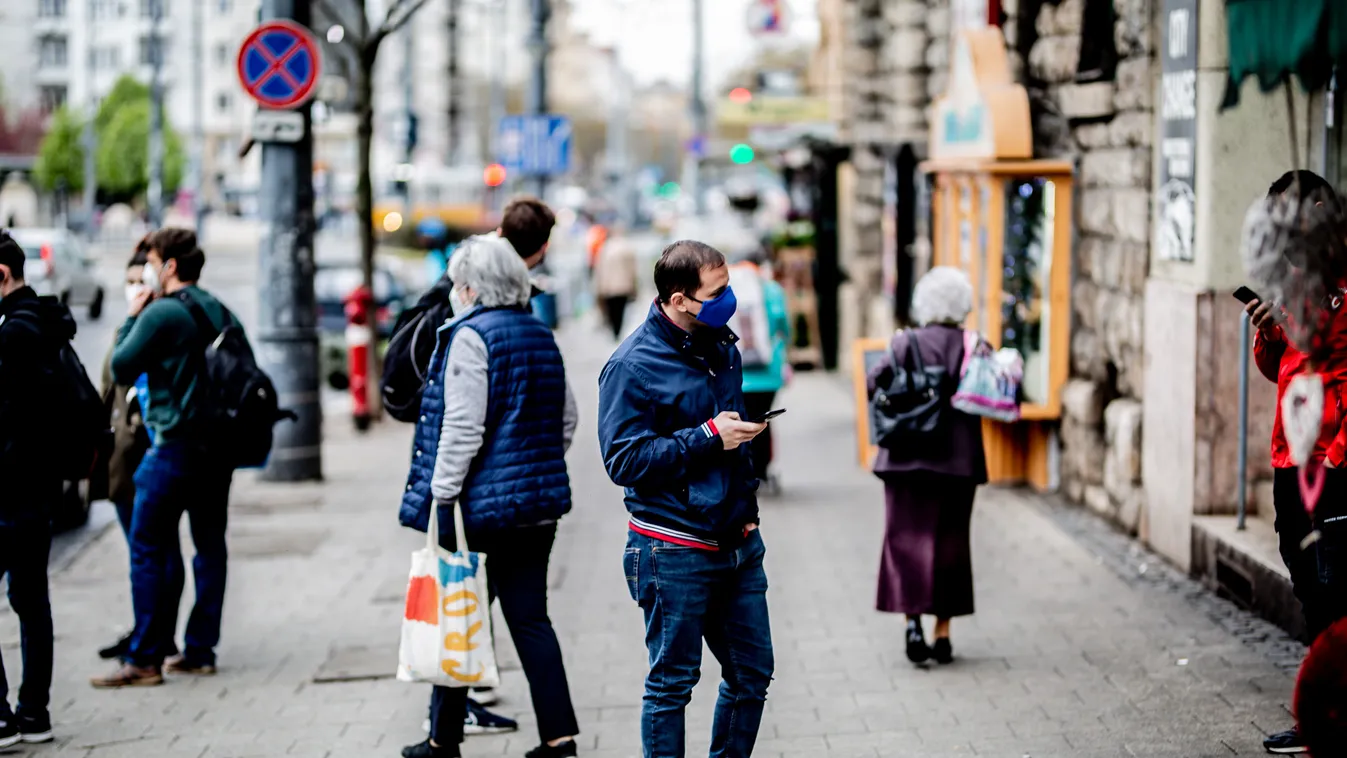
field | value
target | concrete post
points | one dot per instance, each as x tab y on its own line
287	338
538	47
154	193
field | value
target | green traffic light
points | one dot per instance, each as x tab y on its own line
741	154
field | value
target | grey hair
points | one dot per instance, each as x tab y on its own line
943	296
493	270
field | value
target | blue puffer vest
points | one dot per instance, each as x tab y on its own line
519	476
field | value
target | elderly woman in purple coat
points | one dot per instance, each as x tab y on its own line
926	567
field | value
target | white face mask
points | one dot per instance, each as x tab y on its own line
460	301
150	276
133	291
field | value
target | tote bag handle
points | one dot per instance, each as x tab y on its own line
433	529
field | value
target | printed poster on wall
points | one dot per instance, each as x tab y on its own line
1176	202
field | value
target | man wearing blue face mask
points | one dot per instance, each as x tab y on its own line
672	433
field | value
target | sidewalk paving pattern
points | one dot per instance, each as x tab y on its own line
1068	655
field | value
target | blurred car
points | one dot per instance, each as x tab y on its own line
332	285
59	264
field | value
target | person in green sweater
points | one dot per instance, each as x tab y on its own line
178	474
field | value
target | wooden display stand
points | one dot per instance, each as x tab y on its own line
796	267
981	149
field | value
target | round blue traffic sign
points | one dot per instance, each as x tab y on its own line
279	64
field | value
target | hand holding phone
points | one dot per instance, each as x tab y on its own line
768	416
1262	314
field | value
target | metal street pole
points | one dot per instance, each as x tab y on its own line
287	337
198	121
408	100
692	165
154	193
537	100
455	85
89	140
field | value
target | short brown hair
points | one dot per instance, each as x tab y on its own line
174	244
680	268
527	224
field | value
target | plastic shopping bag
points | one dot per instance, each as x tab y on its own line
446	627
989	383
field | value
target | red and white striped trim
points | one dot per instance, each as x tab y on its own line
709	429
665	534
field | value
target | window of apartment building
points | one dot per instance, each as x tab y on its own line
222	55
148	8
51	9
224	102
148	51
52	51
51	96
106	58
107	10
225	7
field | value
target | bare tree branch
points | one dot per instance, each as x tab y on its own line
399	13
351	37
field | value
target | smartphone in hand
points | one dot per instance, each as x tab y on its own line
1246	295
768	416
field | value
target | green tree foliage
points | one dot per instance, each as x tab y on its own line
126	91
122	160
61	154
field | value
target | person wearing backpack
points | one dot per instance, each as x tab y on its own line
163	338
31	330
763	326
931	469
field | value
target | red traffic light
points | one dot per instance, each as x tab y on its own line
740	95
494	175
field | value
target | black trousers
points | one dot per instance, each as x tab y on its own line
757	404
25	543
614	310
1318	571
517	577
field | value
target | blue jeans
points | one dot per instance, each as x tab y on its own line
689	594
24	547
176	478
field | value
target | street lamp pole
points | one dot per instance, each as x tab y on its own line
198	120
697	107
537	101
88	138
154	192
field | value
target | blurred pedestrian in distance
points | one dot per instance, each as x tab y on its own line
926	566
615	283
1279	361
131	440
163	339
497	419
31	329
673	433
763	328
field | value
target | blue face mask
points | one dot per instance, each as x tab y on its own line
717	311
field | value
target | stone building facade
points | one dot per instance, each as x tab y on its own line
898	62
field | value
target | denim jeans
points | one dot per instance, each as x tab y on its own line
24	547
689	594
517	577
176	478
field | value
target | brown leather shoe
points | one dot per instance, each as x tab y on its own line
179	664
129	676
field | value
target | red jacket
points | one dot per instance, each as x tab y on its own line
1280	362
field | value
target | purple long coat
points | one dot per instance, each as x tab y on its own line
926	564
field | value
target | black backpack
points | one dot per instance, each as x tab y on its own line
86	426
238	402
906	407
407	358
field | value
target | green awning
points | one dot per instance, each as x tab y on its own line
1275	39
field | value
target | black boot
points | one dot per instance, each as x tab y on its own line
942	651
917	651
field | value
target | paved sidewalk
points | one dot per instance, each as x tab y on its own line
1069	655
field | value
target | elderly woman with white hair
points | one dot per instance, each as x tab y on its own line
497	417
926	566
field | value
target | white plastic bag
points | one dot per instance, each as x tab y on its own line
446	626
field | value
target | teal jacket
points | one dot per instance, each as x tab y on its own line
772	377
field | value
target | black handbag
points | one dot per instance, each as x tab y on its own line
909	399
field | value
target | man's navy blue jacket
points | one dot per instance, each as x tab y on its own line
657	395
